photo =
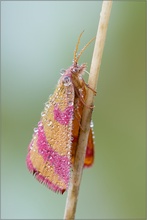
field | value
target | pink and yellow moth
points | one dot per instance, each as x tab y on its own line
52	149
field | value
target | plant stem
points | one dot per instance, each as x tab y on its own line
76	175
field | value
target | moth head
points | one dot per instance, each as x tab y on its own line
78	69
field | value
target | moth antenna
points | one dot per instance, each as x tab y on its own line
86	72
76	49
84	48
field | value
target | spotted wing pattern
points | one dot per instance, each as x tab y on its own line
53	146
49	153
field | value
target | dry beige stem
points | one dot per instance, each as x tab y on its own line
73	190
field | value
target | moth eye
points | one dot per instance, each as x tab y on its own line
74	70
66	81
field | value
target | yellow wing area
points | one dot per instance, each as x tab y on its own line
53	147
49	156
59	135
46	170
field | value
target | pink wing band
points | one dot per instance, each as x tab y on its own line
60	163
63	117
41	178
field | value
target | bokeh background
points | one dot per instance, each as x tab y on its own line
37	40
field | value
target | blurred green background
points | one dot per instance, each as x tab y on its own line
38	39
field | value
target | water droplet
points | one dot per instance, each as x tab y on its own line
49	123
39	124
42	114
70	103
91	124
53	102
69	92
31	147
46	108
80	90
47	105
34	137
35	130
67	81
62	71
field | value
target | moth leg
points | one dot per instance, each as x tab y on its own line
77	116
81	99
91	89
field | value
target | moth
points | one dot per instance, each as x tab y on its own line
52	149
